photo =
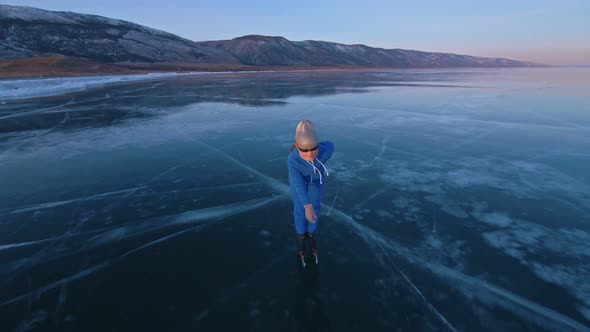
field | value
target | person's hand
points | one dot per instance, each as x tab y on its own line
310	213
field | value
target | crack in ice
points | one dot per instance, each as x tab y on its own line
210	214
544	316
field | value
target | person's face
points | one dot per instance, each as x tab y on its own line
308	154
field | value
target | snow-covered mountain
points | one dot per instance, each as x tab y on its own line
31	32
264	50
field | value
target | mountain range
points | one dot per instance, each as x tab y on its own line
31	33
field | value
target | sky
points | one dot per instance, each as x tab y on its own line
543	31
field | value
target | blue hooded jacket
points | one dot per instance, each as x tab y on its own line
302	172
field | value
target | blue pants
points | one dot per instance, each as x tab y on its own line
301	224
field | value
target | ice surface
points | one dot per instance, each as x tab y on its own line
33	88
382	247
531	243
192	217
461	207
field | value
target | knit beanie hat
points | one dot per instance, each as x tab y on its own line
305	136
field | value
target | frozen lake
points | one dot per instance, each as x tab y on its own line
458	199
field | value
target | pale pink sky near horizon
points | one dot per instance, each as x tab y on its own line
552	56
541	31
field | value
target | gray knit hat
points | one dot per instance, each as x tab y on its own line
305	136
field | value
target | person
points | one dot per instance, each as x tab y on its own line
307	175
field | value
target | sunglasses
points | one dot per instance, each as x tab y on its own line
308	150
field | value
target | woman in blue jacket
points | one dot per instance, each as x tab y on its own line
307	175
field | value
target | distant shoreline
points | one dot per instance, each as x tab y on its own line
62	66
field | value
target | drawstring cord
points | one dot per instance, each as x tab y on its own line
324	166
316	169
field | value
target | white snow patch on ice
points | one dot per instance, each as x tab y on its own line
495	219
472	286
527	241
32	88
